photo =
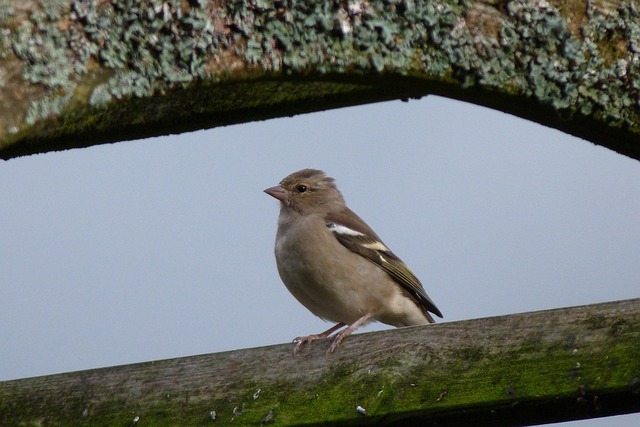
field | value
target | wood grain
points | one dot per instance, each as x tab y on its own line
520	369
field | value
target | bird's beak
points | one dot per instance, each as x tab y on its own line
277	192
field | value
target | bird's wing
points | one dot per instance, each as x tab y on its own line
354	234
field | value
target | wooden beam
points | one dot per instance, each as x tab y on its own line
79	73
521	369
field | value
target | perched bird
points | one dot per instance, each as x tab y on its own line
337	266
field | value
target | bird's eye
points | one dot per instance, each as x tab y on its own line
302	188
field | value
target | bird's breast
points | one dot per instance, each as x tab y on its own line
328	279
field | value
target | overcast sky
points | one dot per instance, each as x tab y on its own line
163	247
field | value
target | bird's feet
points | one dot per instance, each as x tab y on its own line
300	341
340	336
337	339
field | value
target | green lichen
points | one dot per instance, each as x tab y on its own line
434	380
152	45
42	46
141	48
337	37
47	106
6	12
149	45
535	53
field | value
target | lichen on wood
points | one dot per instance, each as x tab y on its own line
521	369
82	72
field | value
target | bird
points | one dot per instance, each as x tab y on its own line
336	266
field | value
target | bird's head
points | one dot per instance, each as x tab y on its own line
308	191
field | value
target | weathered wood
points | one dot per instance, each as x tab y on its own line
520	369
75	73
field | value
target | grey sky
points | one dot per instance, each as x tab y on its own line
162	248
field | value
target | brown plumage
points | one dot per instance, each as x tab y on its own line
337	266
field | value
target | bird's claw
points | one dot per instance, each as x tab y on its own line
335	342
298	342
